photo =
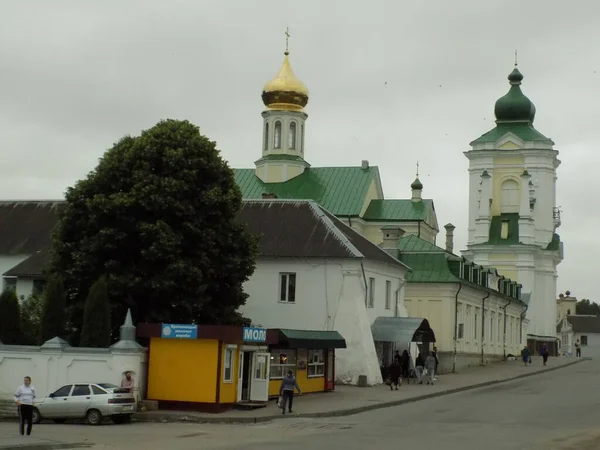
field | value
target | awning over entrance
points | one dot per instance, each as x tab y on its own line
310	339
402	330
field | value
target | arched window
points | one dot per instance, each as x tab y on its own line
266	137
510	197
301	138
292	136
277	136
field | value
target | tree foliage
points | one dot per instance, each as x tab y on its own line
31	314
586	307
10	318
53	317
96	317
157	217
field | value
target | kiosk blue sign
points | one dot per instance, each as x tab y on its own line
254	334
179	331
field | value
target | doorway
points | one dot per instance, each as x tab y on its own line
245	371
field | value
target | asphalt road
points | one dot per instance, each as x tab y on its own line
556	410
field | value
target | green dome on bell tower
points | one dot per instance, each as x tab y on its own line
515	106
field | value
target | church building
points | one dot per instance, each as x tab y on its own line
352	194
513	215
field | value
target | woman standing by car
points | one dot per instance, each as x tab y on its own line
24	397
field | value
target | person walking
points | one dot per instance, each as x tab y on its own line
25	398
395	373
434	353
430	368
545	354
286	391
525	355
419	368
405	364
577	349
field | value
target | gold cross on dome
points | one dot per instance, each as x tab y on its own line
287	39
417	169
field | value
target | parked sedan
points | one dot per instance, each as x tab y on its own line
92	401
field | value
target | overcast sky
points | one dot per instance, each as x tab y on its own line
390	81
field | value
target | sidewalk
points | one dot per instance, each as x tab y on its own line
347	400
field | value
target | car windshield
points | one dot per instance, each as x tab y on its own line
107	385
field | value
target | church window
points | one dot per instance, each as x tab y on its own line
287	287
461	330
371	293
301	138
475	328
504	230
292	136
266	138
277	135
388	294
510	197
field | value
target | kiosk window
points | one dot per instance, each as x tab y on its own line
282	360
316	363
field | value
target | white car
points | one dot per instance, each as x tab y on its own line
92	401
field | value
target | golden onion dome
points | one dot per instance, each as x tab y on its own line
285	92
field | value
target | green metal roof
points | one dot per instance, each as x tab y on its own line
428	268
414	244
340	190
496	229
397	210
522	130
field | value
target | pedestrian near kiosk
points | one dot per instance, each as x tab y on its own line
545	354
286	391
25	398
577	349
525	355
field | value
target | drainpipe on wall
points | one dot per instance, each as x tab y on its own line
455	326
483	323
402	284
521	324
362	267
504	338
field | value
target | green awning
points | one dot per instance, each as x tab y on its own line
310	339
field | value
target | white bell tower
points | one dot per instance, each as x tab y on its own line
513	215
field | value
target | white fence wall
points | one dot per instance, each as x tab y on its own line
50	368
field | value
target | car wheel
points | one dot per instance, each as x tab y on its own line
36	417
94	417
60	420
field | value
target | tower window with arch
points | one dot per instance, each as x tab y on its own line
292	136
510	197
266	137
301	138
277	135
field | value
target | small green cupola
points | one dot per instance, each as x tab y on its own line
515	106
417	184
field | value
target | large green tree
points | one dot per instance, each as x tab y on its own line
587	307
53	317
95	331
157	217
10	318
31	314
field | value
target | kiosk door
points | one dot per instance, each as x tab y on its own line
259	387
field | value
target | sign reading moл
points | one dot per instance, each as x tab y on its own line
254	334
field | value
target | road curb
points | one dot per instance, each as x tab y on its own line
49	446
167	417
